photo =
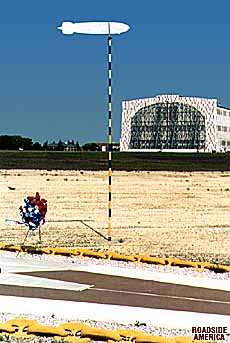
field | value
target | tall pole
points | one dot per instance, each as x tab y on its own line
102	28
110	145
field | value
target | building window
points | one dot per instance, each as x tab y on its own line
224	113
167	126
219	128
228	143
223	143
218	111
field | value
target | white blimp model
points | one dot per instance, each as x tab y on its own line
98	28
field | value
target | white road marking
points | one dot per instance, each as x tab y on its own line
160	295
31	281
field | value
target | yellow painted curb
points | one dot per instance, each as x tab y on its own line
109	255
100	334
81	333
153	339
20	326
6	328
42	330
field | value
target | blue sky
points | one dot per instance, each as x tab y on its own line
55	86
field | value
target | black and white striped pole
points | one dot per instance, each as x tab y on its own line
109	29
110	143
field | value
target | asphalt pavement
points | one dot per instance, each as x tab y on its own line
108	292
123	291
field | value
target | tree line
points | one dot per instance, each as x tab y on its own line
22	143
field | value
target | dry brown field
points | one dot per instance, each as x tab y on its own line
184	215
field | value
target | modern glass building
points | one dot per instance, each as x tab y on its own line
172	122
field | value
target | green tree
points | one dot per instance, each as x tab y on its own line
15	142
78	146
60	145
37	146
91	147
45	145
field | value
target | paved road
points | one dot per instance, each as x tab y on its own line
128	292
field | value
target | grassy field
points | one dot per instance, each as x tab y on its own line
121	161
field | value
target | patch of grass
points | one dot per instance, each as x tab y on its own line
138	323
146	161
217	269
4	338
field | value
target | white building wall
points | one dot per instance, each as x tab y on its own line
223	128
208	107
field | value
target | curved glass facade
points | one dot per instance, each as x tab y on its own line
167	126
